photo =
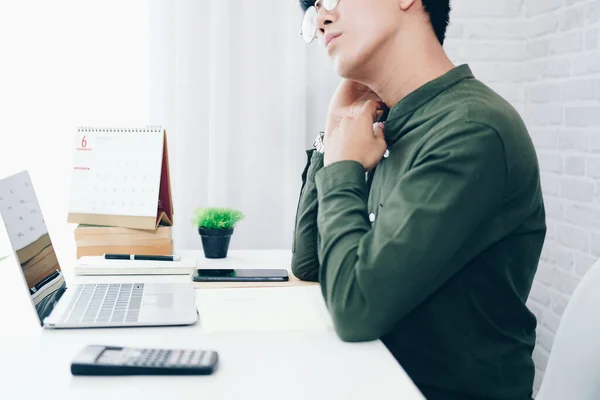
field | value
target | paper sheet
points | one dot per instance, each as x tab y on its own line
267	309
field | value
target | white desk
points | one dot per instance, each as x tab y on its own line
273	343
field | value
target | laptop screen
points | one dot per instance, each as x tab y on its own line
31	243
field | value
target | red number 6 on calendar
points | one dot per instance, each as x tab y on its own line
83	142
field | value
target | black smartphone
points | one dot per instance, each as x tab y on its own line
240	275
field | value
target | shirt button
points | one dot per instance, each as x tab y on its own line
371	217
386	154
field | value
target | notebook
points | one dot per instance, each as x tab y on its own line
97	265
121	178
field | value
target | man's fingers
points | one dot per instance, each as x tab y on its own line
378	129
370	108
378	133
343	126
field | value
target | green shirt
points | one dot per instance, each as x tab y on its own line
435	251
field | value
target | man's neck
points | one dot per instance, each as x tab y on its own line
407	68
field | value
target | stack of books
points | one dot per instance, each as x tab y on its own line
92	240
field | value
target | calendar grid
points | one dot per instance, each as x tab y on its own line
116	175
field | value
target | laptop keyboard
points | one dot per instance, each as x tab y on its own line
105	303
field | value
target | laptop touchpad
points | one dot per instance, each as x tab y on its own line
159	299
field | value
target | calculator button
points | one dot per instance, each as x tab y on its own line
173	358
128	357
185	358
206	357
162	358
159	358
196	357
155	356
147	356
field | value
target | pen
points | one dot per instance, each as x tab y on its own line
41	283
140	257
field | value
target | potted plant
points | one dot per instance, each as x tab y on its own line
215	226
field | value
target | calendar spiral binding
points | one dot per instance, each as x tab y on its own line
148	128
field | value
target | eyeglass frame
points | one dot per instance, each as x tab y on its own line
314	6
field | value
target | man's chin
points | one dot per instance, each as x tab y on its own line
343	68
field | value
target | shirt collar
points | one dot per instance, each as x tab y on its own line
398	115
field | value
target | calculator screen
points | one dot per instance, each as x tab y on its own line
110	356
30	240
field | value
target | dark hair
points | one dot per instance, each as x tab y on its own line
439	16
438	10
304	4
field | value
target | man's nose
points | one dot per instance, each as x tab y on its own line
324	18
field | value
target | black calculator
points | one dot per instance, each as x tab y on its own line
110	360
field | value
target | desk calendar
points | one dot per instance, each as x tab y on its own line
121	178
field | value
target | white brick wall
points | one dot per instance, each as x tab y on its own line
544	57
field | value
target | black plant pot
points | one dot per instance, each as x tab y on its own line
215	242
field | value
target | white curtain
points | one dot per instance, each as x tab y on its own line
242	97
64	64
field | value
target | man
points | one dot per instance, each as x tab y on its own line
435	249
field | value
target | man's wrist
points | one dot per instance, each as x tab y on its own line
328	160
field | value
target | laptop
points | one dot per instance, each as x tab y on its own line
59	305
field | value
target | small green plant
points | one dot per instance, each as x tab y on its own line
217	218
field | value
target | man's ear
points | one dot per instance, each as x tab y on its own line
406	4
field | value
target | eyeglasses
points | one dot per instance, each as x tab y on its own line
309	22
